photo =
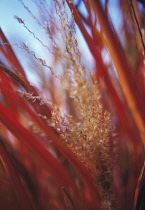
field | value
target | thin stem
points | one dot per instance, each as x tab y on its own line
14	76
70	199
138	26
17	185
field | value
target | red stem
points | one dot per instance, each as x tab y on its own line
24	201
38	149
131	91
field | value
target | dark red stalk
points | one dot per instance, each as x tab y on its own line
14	76
95	33
10	55
24	201
38	150
90	22
8	92
138	202
128	85
41	109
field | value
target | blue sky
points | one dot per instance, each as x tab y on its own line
14	31
9	8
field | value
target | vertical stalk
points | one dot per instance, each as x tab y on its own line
120	61
24	201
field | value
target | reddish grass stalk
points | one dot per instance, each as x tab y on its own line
8	93
45	110
38	150
10	55
24	201
139	192
124	72
14	76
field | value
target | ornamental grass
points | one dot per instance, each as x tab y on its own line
72	116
